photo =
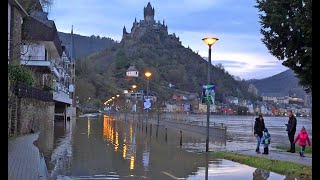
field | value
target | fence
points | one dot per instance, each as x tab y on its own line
25	91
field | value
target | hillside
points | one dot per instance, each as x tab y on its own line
284	83
103	74
85	45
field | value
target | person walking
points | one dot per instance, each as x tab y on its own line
303	137
258	130
291	128
266	140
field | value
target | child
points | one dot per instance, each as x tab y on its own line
302	137
266	139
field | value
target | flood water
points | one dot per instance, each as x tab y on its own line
240	129
107	148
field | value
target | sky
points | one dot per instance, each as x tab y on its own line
234	22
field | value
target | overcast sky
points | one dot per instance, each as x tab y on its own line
234	22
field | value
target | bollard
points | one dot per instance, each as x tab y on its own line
180	138
166	137
157	131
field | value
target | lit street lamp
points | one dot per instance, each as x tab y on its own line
134	106
148	75
209	41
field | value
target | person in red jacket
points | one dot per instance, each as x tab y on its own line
302	137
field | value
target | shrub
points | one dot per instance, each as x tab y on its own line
18	73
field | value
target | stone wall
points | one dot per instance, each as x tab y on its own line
34	114
15	35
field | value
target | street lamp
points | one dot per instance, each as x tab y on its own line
148	75
209	41
134	106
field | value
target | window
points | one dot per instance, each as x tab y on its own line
45	54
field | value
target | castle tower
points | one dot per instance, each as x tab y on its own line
124	30
148	13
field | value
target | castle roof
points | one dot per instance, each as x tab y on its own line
149	5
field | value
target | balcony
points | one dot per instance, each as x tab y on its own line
61	94
42	63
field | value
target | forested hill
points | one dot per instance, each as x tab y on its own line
104	73
284	84
85	45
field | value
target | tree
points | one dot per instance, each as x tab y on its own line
287	31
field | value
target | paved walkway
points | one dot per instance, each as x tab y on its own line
24	161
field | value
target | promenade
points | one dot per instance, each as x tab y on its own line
24	160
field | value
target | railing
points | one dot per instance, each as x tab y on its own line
25	91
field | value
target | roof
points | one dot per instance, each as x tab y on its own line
19	6
36	30
132	68
273	94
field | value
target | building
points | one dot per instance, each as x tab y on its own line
149	25
233	100
15	15
45	55
132	71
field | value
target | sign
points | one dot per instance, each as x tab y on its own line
208	94
147	103
71	88
134	108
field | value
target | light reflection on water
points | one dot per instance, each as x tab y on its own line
105	148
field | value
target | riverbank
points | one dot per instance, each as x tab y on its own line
278	166
24	159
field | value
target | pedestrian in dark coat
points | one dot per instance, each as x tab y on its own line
291	128
258	130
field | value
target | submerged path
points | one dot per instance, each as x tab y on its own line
24	161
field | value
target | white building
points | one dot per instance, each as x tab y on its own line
132	71
47	57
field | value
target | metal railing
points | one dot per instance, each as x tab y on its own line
25	91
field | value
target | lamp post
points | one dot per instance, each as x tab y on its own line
148	75
209	41
135	99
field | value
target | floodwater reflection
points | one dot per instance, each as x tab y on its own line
107	148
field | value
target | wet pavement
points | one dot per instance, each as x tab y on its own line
24	160
106	148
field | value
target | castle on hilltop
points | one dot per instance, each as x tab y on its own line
149	25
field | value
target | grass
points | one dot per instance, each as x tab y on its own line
307	150
281	167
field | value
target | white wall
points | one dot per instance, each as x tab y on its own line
133	73
36	51
9	19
